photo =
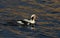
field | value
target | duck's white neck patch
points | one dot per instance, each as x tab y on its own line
32	21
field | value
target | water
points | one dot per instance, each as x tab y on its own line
46	26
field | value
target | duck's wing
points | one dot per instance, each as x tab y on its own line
22	22
27	20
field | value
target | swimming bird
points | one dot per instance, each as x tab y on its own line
27	22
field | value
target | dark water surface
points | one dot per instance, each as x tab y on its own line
47	25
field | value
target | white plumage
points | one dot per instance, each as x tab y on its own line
28	22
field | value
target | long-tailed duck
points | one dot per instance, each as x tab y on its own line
27	21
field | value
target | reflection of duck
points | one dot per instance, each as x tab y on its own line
28	22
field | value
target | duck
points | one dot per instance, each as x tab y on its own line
28	22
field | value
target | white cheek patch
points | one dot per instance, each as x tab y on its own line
32	16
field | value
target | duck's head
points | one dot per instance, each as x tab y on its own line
33	16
